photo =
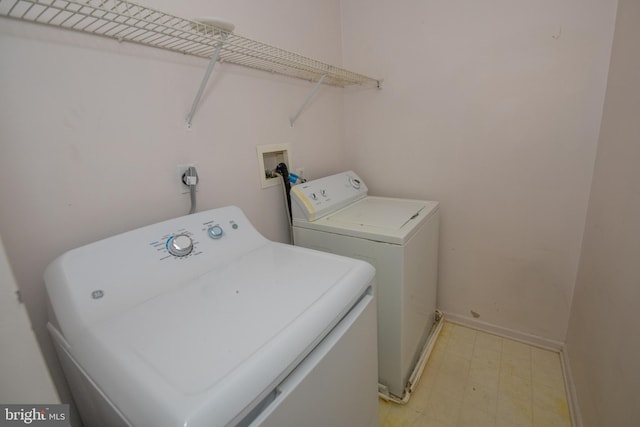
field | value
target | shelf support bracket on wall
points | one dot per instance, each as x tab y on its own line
205	79
293	118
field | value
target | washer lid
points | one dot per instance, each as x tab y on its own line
381	213
211	348
377	218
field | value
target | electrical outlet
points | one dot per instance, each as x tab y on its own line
180	170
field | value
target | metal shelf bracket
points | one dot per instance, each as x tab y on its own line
315	88
205	79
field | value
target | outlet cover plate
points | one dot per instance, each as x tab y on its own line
180	170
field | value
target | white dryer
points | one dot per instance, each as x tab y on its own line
399	237
201	321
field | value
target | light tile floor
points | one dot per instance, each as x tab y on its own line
477	379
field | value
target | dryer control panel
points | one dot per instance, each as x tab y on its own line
315	199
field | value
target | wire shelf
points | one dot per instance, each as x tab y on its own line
127	21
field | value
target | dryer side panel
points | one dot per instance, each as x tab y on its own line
388	261
420	282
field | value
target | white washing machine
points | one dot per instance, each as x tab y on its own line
201	321
399	237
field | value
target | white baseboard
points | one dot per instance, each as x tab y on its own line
572	398
569	385
505	332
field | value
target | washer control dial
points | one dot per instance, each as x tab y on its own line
180	245
215	232
355	182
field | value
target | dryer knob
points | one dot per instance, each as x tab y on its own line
215	232
180	245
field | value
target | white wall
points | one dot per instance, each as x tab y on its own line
603	342
493	108
92	131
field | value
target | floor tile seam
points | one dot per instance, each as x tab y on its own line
455	360
466	336
516	357
514	401
553	360
460	346
509	358
518	352
441	417
553	363
555	372
485	362
506	422
503	396
435	366
553	416
553	404
554	383
507	366
546	354
522	413
513	379
403	410
433	407
483	341
550	390
456	352
453	378
475	407
462	339
454	368
551	410
516	384
547	372
487	347
480	376
486	371
515	397
482	382
477	413
485	354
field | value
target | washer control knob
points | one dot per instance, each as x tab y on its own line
215	232
180	245
355	182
